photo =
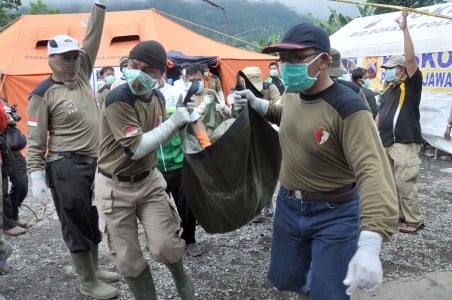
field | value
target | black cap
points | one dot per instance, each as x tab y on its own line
302	36
150	52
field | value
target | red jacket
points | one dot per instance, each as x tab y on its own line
3	120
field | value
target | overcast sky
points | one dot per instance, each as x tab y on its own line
320	8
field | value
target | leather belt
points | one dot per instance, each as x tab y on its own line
340	195
124	178
78	157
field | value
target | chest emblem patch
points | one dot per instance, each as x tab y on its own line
130	131
70	106
321	135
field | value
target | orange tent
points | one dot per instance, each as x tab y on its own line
23	57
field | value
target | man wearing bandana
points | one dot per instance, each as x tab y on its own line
337	200
63	123
129	189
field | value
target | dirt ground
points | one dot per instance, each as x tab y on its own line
233	265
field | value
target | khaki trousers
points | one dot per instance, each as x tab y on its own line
405	162
121	205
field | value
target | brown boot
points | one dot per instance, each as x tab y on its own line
15	231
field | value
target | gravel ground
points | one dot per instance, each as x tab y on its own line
233	265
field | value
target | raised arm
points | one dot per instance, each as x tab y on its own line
411	65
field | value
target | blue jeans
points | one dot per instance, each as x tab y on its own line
313	235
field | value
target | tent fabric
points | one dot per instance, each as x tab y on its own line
229	182
23	59
178	58
380	35
374	39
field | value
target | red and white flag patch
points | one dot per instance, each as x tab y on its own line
32	122
321	135
130	131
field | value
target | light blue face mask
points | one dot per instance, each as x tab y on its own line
139	82
296	77
390	75
366	83
273	72
110	79
200	87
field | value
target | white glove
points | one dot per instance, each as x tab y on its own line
223	110
258	104
194	115
101	2
231	99
39	187
161	135
180	117
201	109
365	270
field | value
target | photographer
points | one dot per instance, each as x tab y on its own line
14	170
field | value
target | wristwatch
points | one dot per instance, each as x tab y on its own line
449	125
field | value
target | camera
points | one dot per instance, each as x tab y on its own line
12	111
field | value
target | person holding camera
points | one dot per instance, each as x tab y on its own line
5	248
15	172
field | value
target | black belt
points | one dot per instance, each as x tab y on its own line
340	195
78	157
124	178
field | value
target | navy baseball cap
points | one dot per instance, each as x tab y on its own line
302	36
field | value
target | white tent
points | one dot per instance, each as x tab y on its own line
369	41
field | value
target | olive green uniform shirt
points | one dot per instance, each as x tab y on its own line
124	118
328	141
64	119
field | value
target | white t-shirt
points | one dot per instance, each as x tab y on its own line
181	85
171	94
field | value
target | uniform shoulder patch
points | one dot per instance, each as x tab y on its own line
121	93
42	88
344	100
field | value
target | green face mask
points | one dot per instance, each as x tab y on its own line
139	82
296	77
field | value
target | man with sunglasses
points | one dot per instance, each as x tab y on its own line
400	128
324	223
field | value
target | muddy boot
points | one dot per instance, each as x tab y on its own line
142	286
103	275
184	285
89	284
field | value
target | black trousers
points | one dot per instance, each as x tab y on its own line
71	183
174	187
13	198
